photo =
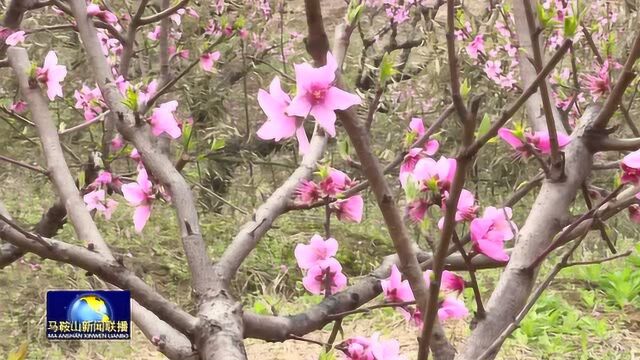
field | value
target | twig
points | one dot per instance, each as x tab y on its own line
468	119
166	87
536	295
599	261
128	45
556	172
27	234
560	239
480	313
164	13
599	225
212	193
368	309
300	338
25	165
337	326
85	124
623	109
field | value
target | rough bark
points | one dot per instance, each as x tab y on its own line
207	283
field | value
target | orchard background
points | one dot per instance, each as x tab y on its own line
397	63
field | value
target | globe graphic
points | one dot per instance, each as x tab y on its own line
89	308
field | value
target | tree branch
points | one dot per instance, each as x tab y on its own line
165	13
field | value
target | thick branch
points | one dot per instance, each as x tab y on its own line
549	212
251	233
107	269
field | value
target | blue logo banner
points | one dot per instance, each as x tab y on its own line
88	315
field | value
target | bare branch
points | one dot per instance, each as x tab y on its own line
248	237
128	45
556	172
609	144
24	165
165	13
107	269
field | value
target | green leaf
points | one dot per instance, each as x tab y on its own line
81	179
327	356
323	171
187	130
465	88
239	23
217	144
411	190
485	125
354	11
545	16
387	68
32	71
570	26
131	99
617	181
611	43
409	138
20	353
260	308
344	148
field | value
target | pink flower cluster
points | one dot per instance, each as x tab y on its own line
96	199
52	74
373	348
140	194
489	232
500	62
90	101
332	184
396	290
323	271
431	180
600	83
630	166
427	182
538	140
316	95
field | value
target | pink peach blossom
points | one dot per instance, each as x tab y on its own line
318	96
489	232
51	74
18	106
140	195
439	173
164	121
317	251
279	125
116	143
452	308
630	166
96	200
476	46
15	38
325	272
208	59
104	15
416	210
395	289
452	282
350	209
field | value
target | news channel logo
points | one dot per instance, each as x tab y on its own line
88	315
